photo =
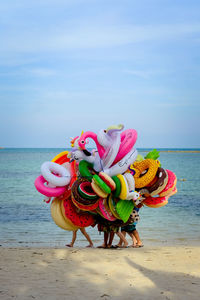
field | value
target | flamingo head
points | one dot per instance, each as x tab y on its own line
82	142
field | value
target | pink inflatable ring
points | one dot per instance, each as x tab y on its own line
46	190
170	184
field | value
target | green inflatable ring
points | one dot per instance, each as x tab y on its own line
104	187
84	169
118	186
85	190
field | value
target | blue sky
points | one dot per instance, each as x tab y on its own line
69	65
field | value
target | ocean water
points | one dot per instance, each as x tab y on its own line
25	220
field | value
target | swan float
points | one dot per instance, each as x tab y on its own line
116	150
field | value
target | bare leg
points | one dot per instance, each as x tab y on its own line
73	239
136	235
121	240
105	244
121	236
87	237
111	237
133	239
105	239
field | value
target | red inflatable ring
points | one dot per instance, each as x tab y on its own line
80	219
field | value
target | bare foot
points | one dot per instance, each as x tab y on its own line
113	247
68	245
138	246
89	246
102	246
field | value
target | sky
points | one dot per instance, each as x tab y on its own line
73	65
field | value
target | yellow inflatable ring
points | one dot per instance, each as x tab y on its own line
62	209
151	168
124	187
98	190
58	216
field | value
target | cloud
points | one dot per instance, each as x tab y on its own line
91	36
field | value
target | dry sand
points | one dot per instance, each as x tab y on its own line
74	273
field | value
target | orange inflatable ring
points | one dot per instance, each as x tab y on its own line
61	158
151	168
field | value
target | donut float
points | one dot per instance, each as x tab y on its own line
155	201
145	171
111	181
85	190
85	207
171	183
79	200
79	197
158	184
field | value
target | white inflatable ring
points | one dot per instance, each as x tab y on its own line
133	195
131	181
64	175
121	166
112	153
111	145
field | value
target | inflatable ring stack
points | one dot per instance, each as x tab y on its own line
110	182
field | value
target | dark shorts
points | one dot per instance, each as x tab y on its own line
106	228
129	228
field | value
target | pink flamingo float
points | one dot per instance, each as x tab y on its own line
128	139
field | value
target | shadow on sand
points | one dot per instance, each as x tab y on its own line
90	274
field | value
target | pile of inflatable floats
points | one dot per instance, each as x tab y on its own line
110	182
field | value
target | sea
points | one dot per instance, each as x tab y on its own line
25	219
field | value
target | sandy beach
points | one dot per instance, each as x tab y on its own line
83	273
